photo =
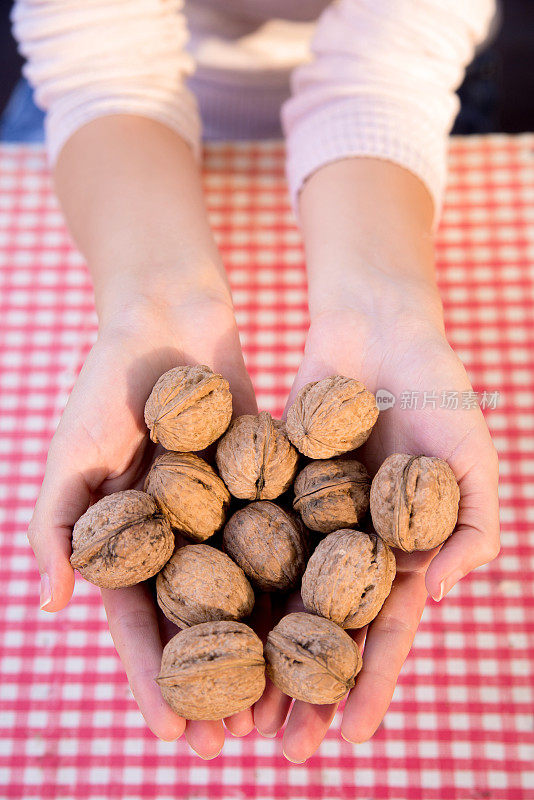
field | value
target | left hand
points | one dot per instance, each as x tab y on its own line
401	354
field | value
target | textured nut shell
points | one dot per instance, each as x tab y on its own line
212	670
201	584
255	458
121	540
331	417
189	492
330	495
188	408
269	544
414	502
348	578
312	659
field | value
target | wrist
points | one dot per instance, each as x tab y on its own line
354	336
367	229
378	299
160	295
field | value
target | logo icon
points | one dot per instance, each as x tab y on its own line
384	399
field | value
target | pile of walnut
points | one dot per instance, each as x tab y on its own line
216	665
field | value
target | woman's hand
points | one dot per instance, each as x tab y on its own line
403	354
102	446
132	196
377	316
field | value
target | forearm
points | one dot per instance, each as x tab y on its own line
367	228
132	197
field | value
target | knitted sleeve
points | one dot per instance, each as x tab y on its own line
381	83
91	58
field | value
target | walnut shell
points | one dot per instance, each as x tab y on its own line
311	659
334	494
121	540
201	584
212	670
269	544
348	578
190	493
414	502
255	458
331	417
188	408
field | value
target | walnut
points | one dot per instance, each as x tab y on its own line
255	458
331	417
188	408
269	544
332	494
189	492
414	502
312	659
212	670
201	584
121	540
348	578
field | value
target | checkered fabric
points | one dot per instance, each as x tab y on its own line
461	724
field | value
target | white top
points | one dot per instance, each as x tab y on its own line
346	78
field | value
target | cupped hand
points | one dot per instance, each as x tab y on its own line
402	355
102	446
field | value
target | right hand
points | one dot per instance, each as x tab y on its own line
102	446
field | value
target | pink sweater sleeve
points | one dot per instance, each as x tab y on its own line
381	84
91	58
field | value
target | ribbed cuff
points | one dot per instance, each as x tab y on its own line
365	126
62	122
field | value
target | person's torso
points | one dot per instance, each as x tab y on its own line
250	37
245	52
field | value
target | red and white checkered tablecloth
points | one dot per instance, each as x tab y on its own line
461	724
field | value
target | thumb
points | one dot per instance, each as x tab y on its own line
476	539
311	369
64	496
231	364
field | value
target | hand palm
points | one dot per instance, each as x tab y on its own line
102	446
408	361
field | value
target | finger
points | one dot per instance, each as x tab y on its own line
230	363
476	539
417	561
63	498
134	628
206	738
311	369
240	724
308	724
388	642
271	710
306	729
243	397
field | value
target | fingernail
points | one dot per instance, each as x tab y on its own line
437	597
448	582
353	741
267	735
294	760
46	591
210	757
238	735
